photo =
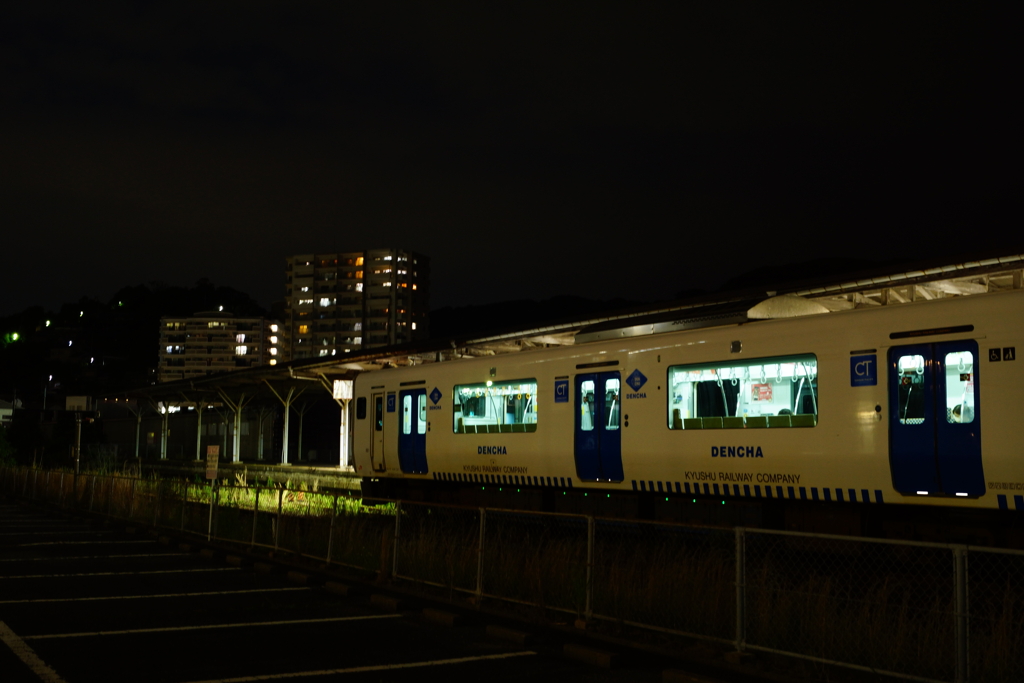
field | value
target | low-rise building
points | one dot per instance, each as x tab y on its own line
215	341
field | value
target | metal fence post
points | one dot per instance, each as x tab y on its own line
156	505
741	598
131	504
330	531
961	615
277	524
92	490
255	516
110	494
60	492
209	519
216	509
480	557
184	506
398	528
588	607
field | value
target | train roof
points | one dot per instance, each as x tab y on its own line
869	289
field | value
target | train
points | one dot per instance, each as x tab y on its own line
812	421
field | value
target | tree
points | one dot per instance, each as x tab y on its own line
6	450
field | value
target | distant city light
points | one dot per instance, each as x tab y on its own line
47	323
81	313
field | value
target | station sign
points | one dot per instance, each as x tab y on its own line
212	460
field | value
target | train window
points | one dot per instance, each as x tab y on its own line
960	387
378	413
407	414
757	393
587	405
361	408
421	413
911	391
495	407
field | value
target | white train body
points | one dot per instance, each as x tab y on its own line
912	403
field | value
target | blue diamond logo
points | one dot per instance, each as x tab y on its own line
636	380
435	395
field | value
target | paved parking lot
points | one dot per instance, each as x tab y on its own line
80	601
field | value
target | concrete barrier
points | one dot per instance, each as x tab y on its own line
590	655
386	602
511	635
443	618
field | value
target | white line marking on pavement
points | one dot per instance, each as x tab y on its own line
44	525
54	533
26	545
210	626
90	557
28	655
159	595
362	669
152	571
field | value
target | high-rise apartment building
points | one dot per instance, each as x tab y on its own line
337	303
215	341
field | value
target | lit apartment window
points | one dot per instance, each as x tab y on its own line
273	361
414	286
386	284
325	301
273	340
323	352
241	350
214	325
359	274
359	261
273	328
359	286
240	338
414	326
304	289
273	349
303	329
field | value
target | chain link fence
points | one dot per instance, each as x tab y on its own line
916	611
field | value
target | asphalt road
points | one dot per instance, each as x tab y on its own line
85	602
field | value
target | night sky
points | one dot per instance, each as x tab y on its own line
621	150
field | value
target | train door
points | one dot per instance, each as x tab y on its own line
377	441
935	419
598	438
412	431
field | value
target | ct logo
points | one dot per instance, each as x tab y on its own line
863	371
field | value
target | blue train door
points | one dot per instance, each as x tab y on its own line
598	428
935	419
412	431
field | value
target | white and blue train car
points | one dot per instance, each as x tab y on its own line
914	403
